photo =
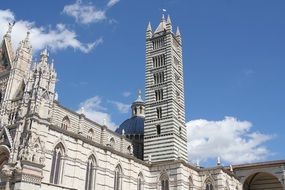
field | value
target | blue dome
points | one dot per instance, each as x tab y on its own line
134	125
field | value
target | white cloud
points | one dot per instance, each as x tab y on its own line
84	13
94	110
126	94
57	38
112	3
121	107
229	138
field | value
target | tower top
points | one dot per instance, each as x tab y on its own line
162	25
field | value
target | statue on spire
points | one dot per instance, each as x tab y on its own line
9	31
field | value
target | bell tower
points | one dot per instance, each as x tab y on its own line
164	130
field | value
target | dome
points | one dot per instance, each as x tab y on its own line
134	125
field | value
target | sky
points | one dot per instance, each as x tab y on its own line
233	54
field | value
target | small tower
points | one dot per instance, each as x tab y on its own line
164	112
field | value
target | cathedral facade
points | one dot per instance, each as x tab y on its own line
46	146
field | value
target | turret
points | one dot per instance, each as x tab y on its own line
138	106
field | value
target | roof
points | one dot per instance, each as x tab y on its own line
134	125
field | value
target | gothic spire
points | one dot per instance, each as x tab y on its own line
149	27
168	19
177	31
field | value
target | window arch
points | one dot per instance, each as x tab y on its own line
191	184
112	142
90	134
65	123
90	173
118	178
57	164
4	157
140	182
164	182
158	129
209	185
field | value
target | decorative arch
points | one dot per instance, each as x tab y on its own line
164	181
140	183
191	184
90	180
209	184
118	178
90	134
4	157
261	180
112	142
57	164
65	123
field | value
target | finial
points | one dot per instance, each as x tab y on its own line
177	31
45	52
198	164
27	36
162	17
56	96
9	31
218	161
231	168
149	27
168	19
123	132
82	110
139	98
104	121
52	64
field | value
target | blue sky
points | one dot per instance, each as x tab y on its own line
233	65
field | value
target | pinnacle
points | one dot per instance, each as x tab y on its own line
177	31
168	19
149	27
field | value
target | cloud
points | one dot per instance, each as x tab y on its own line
229	138
126	94
121	107
94	110
112	3
57	38
84	13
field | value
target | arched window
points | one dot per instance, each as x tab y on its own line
112	142
140	182
191	185
164	182
209	185
57	164
0	97
90	173
118	178
90	134
158	129
159	112
65	123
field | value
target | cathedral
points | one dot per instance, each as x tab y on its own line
46	146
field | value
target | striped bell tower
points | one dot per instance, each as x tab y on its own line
164	131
